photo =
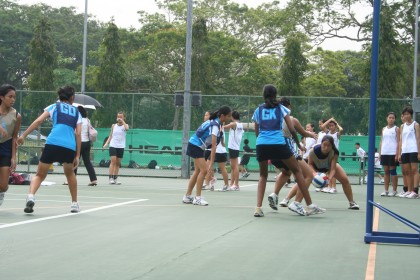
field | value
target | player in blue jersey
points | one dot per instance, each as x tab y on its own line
271	144
207	135
62	145
10	124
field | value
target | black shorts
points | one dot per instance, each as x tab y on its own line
233	153
5	161
323	170
279	164
409	158
270	152
244	160
220	157
388	160
217	157
194	151
53	153
116	152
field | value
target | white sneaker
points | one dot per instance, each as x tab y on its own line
74	208
200	201
187	199
234	188
333	190
318	189
313	210
30	202
412	195
382	181
297	208
258	212
385	193
116	182
1	198
326	190
284	202
353	206
112	181
225	188
392	194
273	200
403	194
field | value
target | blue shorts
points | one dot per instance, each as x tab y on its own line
273	152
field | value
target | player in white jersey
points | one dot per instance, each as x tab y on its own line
236	131
409	152
388	154
323	130
309	141
116	141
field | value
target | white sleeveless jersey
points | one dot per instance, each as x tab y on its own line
336	140
310	142
235	137
321	135
118	136
408	138
389	141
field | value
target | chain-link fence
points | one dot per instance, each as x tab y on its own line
156	126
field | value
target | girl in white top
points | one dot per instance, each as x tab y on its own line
323	130
409	152
236	131
86	146
309	141
388	153
116	141
335	130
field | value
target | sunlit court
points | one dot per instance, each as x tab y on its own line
142	230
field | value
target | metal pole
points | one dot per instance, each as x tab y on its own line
185	168
372	114
416	46
84	48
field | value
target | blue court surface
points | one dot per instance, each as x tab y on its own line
142	230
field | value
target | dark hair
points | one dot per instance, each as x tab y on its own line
330	139
333	122
235	115
270	96
311	124
65	93
285	101
246	141
5	89
357	143
408	109
391	113
224	110
82	111
323	120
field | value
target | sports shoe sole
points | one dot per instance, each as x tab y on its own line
296	211
74	210
272	203
29	207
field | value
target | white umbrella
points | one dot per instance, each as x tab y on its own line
84	106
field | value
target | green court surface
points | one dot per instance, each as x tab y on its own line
142	230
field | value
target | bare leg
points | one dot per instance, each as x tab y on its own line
387	177
40	176
293	165
262	182
71	180
281	180
341	176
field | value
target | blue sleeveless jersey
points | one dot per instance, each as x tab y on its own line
270	123
65	118
202	136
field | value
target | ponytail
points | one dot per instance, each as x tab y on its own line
270	96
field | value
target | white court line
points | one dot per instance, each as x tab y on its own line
70	214
60	201
78	196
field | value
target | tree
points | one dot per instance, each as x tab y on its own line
293	67
111	75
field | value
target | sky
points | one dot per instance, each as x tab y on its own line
125	14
